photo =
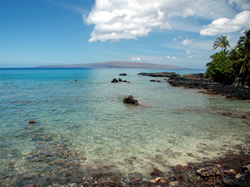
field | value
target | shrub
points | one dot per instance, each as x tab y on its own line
220	68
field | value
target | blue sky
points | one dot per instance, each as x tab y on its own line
175	32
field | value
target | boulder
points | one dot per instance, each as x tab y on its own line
210	171
130	100
122	74
32	121
114	80
120	80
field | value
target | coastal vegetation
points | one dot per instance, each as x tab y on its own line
228	65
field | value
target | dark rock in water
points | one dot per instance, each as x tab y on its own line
130	100
32	121
120	80
157	173
114	80
123	74
160	74
159	181
152	80
158	81
135	182
125	81
213	88
210	171
242	180
75	80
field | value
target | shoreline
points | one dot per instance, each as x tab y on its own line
199	81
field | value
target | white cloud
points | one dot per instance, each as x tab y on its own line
225	25
188	52
173	57
136	59
123	19
189	57
174	39
186	42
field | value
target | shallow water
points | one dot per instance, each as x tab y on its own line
171	126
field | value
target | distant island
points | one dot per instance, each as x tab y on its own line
115	64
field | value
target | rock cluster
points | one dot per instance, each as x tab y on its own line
161	74
230	91
200	81
130	100
155	81
118	80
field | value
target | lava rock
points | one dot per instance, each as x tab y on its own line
160	74
130	100
32	121
114	80
122	74
157	173
210	171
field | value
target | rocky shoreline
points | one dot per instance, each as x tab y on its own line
199	81
56	165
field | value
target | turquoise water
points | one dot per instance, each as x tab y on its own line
88	118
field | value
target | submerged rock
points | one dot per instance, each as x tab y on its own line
210	171
32	121
157	173
159	181
130	100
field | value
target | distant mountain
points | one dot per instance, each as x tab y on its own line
115	64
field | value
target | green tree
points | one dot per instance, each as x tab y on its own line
240	57
243	48
220	68
221	42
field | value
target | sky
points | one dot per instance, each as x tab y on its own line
174	32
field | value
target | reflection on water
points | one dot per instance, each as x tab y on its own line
82	126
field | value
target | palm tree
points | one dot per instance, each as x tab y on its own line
221	42
243	47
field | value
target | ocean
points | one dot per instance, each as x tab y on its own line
83	127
